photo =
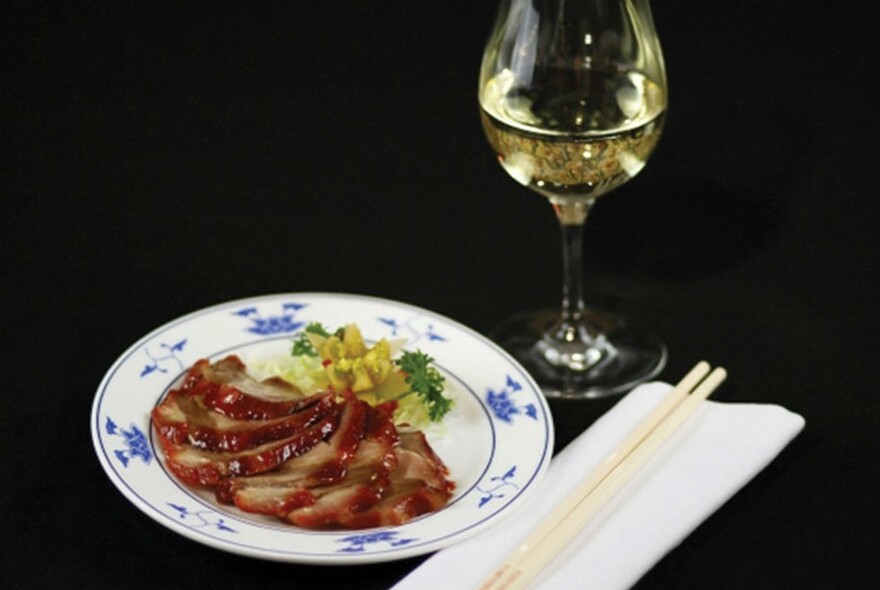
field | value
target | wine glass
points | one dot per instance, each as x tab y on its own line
572	98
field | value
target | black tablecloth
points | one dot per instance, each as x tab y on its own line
159	160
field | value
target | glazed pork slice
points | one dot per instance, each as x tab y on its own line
337	505
185	419
410	484
372	498
225	387
402	501
417	460
418	485
279	491
367	478
308	499
198	467
362	448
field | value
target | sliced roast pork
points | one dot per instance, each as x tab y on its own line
324	461
226	388
327	462
185	419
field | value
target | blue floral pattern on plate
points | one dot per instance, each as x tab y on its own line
415	333
501	485
361	542
268	324
198	519
159	363
136	444
504	407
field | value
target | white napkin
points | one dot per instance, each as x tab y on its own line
700	467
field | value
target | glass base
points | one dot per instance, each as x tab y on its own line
620	356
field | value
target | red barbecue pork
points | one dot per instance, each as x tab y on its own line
326	461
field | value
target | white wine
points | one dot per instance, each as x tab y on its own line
573	99
573	144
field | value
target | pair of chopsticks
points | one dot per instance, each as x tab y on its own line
546	541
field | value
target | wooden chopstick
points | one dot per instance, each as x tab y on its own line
546	541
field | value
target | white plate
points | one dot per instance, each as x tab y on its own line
497	441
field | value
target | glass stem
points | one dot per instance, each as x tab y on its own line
572	219
573	342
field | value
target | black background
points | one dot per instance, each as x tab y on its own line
157	160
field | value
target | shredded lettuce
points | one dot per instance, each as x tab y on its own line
412	410
304	371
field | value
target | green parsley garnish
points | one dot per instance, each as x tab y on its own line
425	381
302	345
